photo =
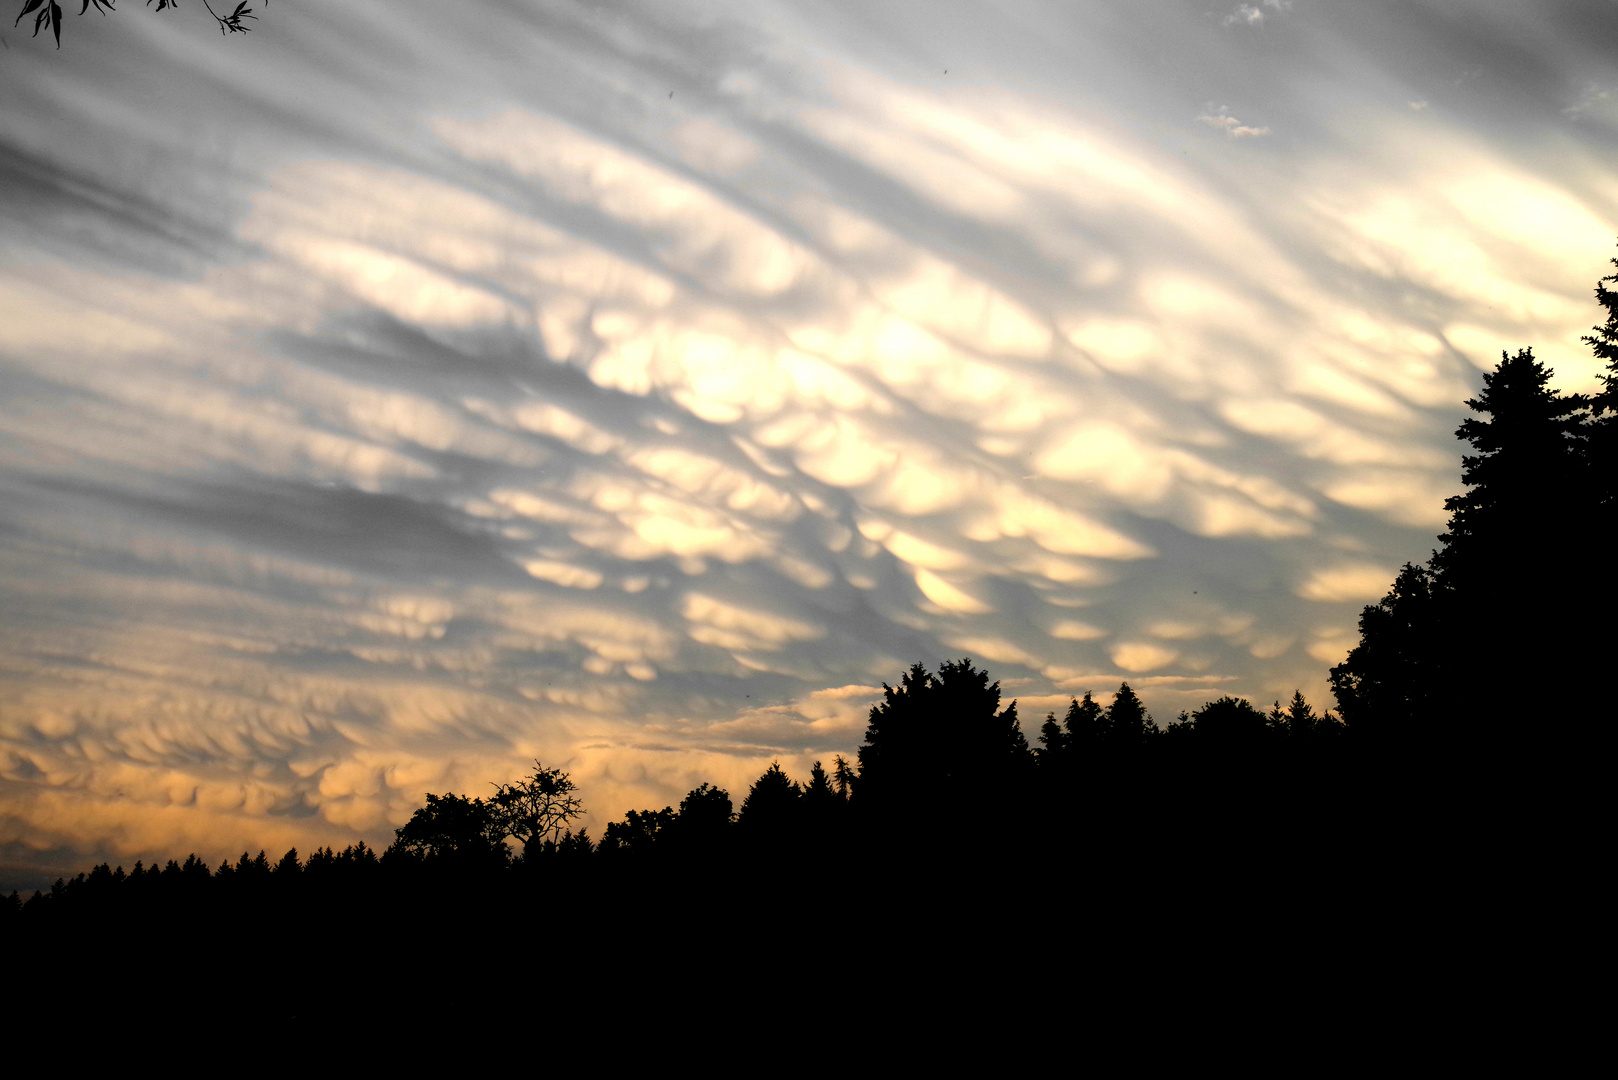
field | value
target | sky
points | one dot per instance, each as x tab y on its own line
405	391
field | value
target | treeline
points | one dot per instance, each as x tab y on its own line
942	768
1434	747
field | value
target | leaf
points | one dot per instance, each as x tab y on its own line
26	8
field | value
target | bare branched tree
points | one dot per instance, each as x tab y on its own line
536	807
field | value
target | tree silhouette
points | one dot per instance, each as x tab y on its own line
1229	723
1486	598
1085	725
771	805
1603	440
1128	724
705	818
1526	479
1389	684
706	809
940	737
641	832
1052	742
451	828
843	778
535	808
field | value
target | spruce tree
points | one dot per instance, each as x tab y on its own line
1502	593
1086	725
1128	722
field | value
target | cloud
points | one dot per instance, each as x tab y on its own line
1139	656
1253	15
1245	15
1231	126
1353	581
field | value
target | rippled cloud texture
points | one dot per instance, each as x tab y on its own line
393	395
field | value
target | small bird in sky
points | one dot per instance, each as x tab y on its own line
671	95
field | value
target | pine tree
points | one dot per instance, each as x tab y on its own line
1301	719
1128	722
771	809
1493	597
844	777
1052	743
1086	726
1527	483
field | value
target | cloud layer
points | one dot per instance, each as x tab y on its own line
391	399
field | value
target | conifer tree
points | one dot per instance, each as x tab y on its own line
1052	742
771	809
1128	722
843	777
1086	725
940	738
1491	599
1301	718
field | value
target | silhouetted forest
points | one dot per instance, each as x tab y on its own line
1437	775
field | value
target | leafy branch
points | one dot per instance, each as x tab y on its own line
49	13
231	23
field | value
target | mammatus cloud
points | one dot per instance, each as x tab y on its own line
458	416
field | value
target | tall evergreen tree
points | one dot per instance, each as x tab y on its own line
1086	725
1128	722
1052	742
1491	599
771	810
1301	718
1527	481
843	778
